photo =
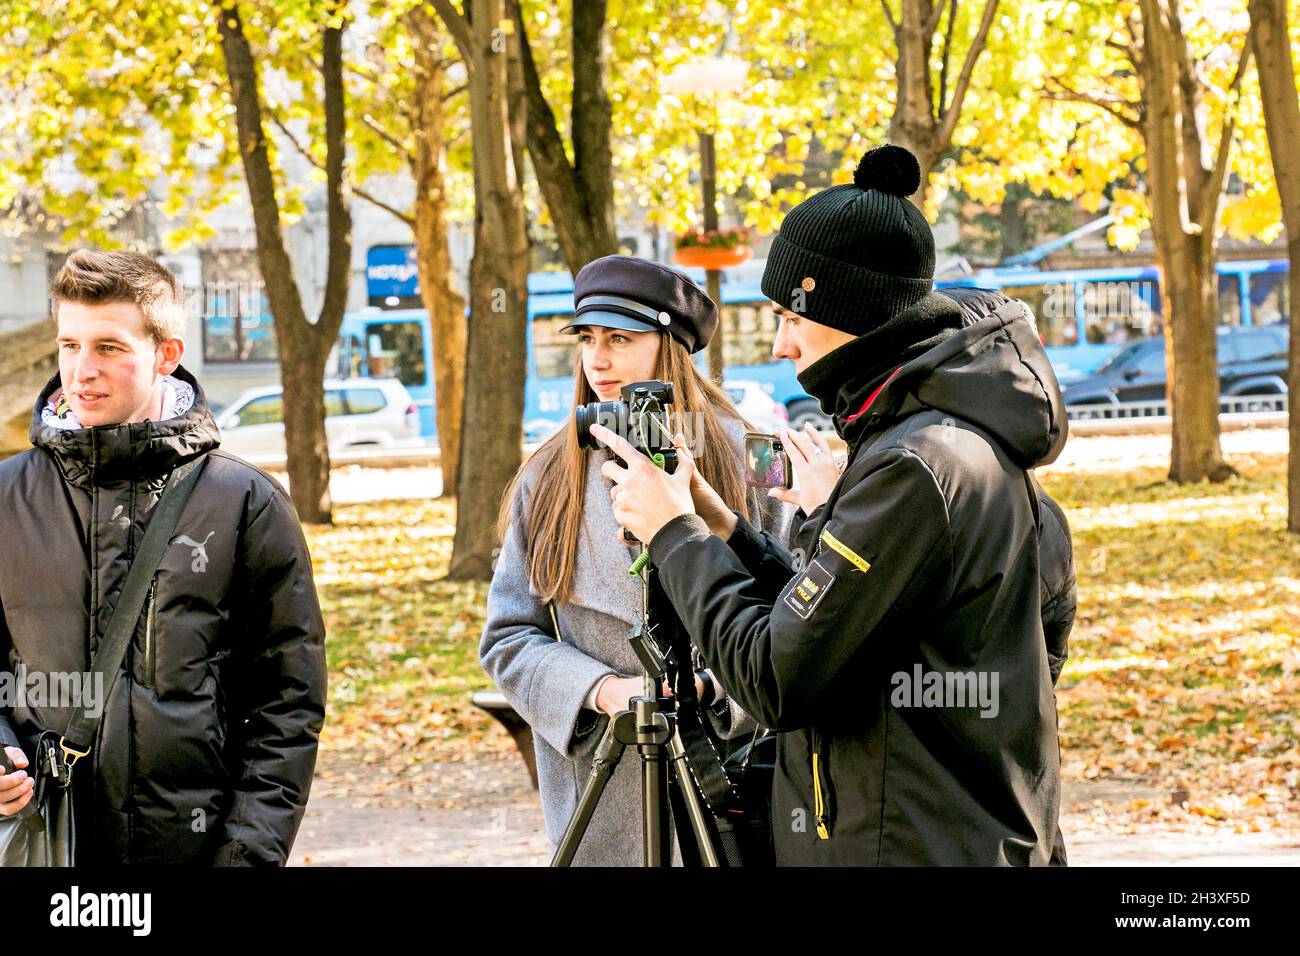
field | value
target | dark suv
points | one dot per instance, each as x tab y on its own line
1252	361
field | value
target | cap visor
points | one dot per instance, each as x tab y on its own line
610	320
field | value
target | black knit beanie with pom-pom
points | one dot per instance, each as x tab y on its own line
853	256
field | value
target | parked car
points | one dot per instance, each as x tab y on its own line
756	404
1252	361
358	411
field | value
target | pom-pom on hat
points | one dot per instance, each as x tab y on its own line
867	250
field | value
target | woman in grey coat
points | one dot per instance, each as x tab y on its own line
562	604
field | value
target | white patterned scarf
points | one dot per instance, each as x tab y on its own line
177	399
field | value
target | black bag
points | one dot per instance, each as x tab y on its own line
43	832
746	828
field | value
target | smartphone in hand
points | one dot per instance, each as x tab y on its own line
767	464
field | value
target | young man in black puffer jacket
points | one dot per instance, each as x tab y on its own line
205	748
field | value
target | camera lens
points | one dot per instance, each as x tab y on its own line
596	413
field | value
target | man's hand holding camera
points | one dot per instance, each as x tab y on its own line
645	497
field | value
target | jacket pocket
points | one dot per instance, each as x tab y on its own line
821	787
150	633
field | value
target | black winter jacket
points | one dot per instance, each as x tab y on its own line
206	747
876	656
1056	550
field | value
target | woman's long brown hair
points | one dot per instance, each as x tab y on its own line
554	513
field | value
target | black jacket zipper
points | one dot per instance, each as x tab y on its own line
821	789
150	635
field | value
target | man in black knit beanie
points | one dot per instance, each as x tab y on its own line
899	647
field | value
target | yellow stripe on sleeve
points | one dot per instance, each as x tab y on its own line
844	551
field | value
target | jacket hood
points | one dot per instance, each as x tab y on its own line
995	374
109	453
990	370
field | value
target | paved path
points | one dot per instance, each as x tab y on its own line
464	821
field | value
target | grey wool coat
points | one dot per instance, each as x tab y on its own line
547	676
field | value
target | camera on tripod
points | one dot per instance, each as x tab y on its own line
640	418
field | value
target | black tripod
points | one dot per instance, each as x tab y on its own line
651	726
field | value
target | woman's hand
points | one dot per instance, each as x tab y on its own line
615	692
816	470
15	788
699	687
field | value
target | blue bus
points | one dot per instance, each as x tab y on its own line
1084	316
397	343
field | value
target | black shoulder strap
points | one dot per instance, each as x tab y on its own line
79	736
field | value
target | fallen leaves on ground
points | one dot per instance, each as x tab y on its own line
1182	680
402	646
1179	699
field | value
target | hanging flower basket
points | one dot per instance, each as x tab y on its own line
715	249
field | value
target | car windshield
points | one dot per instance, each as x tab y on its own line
1119	359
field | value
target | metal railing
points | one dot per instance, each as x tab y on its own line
1228	405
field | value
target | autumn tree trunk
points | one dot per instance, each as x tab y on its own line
492	439
922	121
579	194
1185	182
445	305
713	277
303	346
1012	223
1271	41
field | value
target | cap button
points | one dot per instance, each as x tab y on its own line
664	318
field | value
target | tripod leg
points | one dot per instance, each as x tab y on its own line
695	812
605	762
656	838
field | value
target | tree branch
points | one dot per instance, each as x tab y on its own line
363	193
338	216
948	120
1134	48
557	180
947	54
359	191
369	122
1114	106
936	14
458	27
1125	48
357	70
1219	175
889	17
